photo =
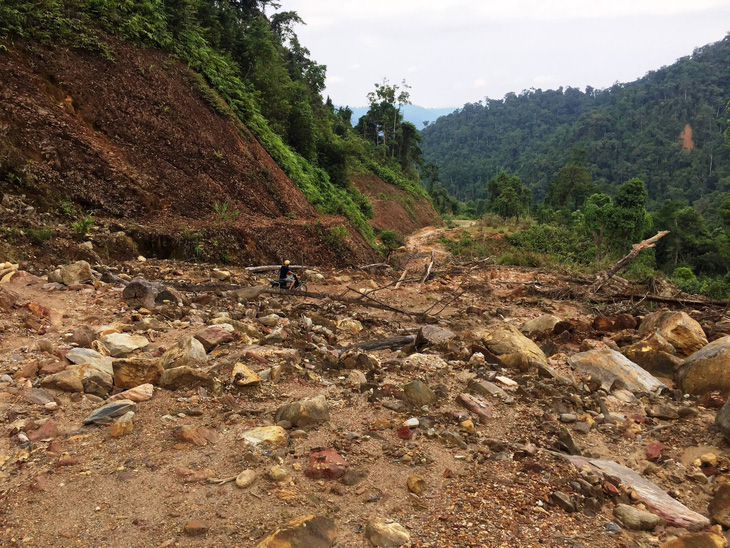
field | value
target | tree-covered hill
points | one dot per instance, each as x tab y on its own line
665	128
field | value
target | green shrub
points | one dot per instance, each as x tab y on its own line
223	213
643	268
39	235
563	243
685	279
81	227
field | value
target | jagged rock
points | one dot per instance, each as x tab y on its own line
212	336
123	425
655	354
485	388
386	535
143	392
356	378
305	412
349	325
658	501
105	413
97	379
303	532
326	464
476	405
614	323
722	420
170	294
433	335
8	299
76	273
86	355
609	366
416	484
418	393
707	539
243	376
425	362
707	369
357	359
123	344
269	437
719	507
83	336
540	325
140	293
636	519
681	331
313	276
276	336
270	320
506	340
250	293
131	372
187	377
69	380
266	354
187	352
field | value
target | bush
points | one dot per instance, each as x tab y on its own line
563	243
39	235
82	226
685	279
390	240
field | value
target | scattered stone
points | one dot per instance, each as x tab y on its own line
609	366
540	325
243	376
563	501
416	484
418	393
83	336
187	352
486	388
658	501
68	380
195	528
132	372
719	507
143	392
305	412
433	335
707	369
654	450
170	295
245	479
272	320
655	354
568	418
187	377
76	273
507	340
682	332
123	426
105	413
47	431
266	437
356	378
386	535
213	336
309	531
635	519
697	540
353	477
476	405
722	420
120	345
663	411
349	325
86	355
614	323
425	362
197	435
326	464
357	359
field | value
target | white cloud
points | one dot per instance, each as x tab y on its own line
334	80
480	83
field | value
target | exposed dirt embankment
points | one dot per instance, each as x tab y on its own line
394	208
137	139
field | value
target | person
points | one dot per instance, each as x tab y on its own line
286	276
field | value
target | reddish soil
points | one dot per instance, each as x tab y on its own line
686	137
394	208
133	139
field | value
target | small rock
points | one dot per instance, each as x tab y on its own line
386	535
568	418
635	519
76	273
132	372
122	344
105	413
563	501
195	528
305	412
213	336
187	377
266	437
654	450
433	335
123	426
418	393
187	352
245	479
719	507
140	293
326	464
243	376
416	484
308	531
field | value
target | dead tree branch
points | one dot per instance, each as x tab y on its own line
606	275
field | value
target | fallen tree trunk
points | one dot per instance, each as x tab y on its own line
271	267
606	275
659	299
375	266
390	343
369	302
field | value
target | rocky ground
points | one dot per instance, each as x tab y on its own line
159	403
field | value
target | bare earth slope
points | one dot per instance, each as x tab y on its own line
133	139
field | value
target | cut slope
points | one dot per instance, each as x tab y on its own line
138	138
395	209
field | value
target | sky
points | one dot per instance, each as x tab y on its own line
453	52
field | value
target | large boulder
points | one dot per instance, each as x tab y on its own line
681	331
507	342
608	366
707	369
655	354
140	293
187	352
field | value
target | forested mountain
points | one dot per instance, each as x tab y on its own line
665	128
415	114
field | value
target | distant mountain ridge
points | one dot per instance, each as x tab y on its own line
666	128
414	114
